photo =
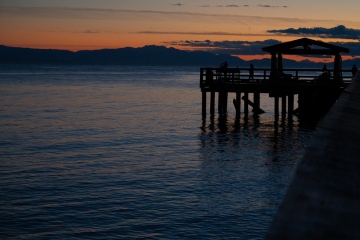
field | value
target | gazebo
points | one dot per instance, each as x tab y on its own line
305	46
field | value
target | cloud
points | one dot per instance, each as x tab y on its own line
221	6
270	6
128	15
353	46
201	33
226	47
90	32
108	13
246	47
336	32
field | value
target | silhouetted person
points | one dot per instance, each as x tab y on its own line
354	70
324	69
209	75
224	67
251	72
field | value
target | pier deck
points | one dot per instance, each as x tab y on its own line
313	86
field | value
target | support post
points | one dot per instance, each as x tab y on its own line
226	94
212	104
276	103
238	105
256	109
223	95
220	102
257	100
280	65
273	72
291	105
283	110
203	105
246	106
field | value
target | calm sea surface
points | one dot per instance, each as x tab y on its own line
122	153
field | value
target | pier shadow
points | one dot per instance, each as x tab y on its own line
247	163
223	124
254	135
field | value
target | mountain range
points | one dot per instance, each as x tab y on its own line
146	56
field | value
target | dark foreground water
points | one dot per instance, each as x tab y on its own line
122	153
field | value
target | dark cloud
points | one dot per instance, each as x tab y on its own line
200	33
336	32
227	47
353	46
270	6
91	32
229	6
247	47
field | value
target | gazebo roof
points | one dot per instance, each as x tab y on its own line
305	44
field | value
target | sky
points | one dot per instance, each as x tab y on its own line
237	27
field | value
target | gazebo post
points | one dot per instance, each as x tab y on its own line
280	64
337	67
273	65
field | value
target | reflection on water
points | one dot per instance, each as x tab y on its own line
98	153
254	133
247	165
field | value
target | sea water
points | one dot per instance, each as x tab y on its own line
99	152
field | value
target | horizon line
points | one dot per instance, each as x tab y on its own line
244	57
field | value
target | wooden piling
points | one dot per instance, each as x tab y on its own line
290	105
246	106
212	103
220	103
226	94
257	100
276	108
203	104
238	104
283	107
256	109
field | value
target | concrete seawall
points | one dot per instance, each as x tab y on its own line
323	200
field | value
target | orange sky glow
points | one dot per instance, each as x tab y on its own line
79	25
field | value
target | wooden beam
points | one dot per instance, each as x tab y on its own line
256	109
309	52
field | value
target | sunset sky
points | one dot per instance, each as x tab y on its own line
238	27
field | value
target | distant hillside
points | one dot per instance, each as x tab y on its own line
146	56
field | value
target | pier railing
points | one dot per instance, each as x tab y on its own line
209	76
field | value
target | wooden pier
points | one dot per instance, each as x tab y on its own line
317	89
